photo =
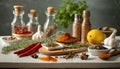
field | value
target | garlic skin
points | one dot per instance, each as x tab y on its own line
39	34
111	41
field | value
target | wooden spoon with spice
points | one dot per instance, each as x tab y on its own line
108	55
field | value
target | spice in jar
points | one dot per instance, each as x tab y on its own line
50	25
33	23
18	25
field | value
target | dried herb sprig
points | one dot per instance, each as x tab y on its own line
25	42
17	45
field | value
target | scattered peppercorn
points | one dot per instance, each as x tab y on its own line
70	55
84	56
34	56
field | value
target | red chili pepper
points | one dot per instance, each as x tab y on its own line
31	51
25	49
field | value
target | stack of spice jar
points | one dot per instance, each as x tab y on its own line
22	30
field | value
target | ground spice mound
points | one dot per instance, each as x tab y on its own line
66	38
48	58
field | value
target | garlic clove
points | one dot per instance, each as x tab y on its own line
39	34
111	41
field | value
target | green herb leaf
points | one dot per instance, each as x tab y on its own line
65	14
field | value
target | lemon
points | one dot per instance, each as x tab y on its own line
95	36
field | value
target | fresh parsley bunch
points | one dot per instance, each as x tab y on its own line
65	14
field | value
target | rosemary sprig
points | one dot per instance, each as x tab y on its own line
17	45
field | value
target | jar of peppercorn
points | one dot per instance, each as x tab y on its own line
18	26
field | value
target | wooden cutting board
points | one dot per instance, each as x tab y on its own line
61	51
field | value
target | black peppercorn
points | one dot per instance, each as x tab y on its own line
34	56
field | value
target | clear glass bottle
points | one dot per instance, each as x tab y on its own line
50	26
18	24
33	21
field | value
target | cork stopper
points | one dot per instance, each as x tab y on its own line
18	9
33	12
51	10
86	13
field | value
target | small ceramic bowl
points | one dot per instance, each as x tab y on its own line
23	36
95	52
9	39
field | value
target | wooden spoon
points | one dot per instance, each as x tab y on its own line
108	55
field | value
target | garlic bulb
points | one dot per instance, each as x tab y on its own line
111	41
39	34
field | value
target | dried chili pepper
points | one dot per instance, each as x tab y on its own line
25	49
32	50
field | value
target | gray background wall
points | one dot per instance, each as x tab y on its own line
103	12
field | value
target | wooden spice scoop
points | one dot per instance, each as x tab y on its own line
108	55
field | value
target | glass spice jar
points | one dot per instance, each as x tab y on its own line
33	21
18	25
50	26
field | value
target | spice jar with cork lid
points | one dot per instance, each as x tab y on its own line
33	21
19	28
86	26
76	27
18	24
50	26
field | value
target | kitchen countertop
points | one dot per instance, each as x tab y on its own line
13	61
